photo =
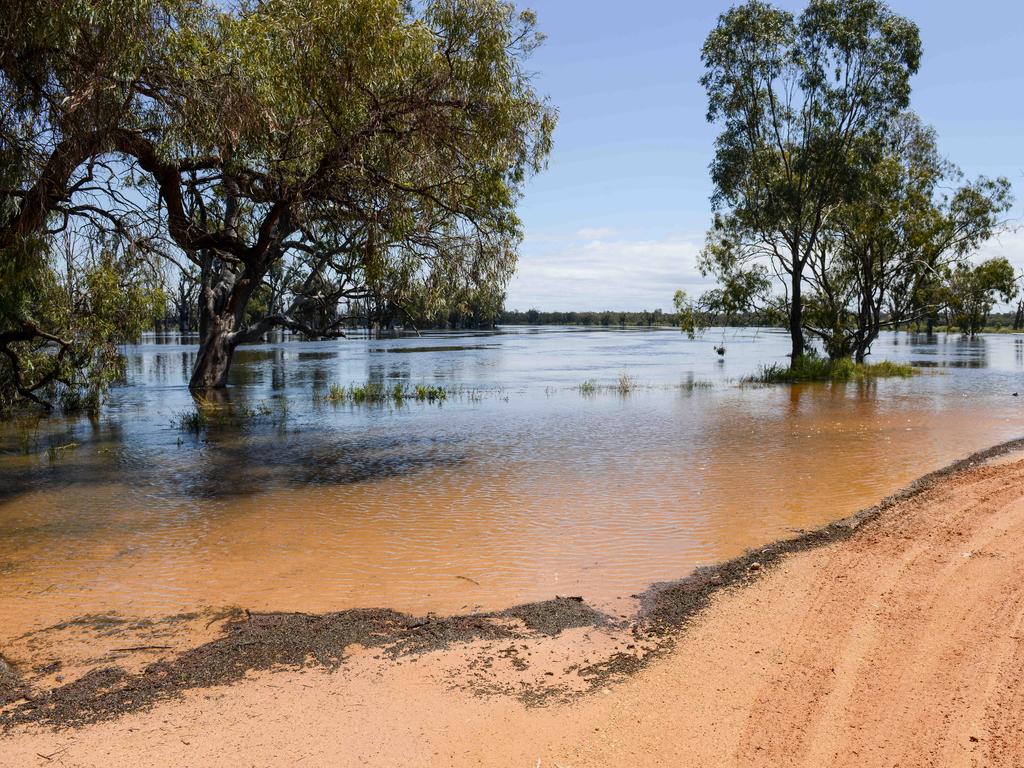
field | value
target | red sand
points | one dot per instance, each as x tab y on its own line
902	646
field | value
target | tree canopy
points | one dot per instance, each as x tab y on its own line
826	186
800	100
311	153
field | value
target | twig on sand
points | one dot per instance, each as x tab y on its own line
52	755
142	648
466	578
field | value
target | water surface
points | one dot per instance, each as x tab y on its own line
520	489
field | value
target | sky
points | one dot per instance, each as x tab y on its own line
618	218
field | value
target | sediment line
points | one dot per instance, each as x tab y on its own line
262	641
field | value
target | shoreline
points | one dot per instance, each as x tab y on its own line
252	643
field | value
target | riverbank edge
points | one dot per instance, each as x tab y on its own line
261	641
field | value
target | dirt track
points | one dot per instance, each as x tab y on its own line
902	645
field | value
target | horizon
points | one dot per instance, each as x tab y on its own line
617	220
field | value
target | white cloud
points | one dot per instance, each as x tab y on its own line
595	273
598	269
1010	244
596	233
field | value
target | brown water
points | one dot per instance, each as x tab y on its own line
523	490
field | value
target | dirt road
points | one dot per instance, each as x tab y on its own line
900	646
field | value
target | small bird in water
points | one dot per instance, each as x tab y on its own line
720	351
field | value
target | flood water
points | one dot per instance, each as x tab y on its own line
521	488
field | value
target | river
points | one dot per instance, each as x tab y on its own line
518	487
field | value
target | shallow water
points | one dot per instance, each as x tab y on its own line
519	489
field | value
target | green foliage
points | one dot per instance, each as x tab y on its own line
826	187
885	252
61	323
302	157
686	311
971	290
644	319
799	101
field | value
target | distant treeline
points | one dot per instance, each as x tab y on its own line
609	319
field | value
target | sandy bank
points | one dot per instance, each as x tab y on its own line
900	644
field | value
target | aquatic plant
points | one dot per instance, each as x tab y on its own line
624	385
375	393
430	393
816	368
194	421
54	452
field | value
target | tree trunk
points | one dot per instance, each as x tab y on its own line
221	313
215	352
796	317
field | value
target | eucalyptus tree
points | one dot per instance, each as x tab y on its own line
292	155
907	225
360	143
799	100
71	75
972	290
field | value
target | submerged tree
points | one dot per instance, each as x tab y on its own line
364	145
972	290
73	282
295	157
882	251
800	101
62	318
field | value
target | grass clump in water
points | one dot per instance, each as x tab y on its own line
430	393
376	393
624	385
815	368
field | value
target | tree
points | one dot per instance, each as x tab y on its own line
799	101
881	251
62	318
362	146
973	289
71	75
298	158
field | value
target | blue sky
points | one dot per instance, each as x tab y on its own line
619	216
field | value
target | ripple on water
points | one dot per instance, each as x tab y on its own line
528	491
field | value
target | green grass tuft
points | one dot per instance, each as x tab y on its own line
814	368
375	393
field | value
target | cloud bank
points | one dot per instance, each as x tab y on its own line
597	269
600	268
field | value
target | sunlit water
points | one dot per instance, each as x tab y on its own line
520	489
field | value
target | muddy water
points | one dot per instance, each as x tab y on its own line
517	490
